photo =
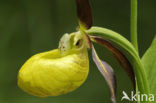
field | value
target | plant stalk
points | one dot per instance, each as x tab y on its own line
134	24
133	28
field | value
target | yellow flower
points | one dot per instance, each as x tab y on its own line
57	71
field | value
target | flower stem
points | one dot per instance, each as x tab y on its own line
134	23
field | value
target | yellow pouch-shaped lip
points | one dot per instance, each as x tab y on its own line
50	74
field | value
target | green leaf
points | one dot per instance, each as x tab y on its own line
149	62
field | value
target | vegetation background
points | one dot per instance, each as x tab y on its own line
28	27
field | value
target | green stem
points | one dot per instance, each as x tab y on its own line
128	49
134	23
134	39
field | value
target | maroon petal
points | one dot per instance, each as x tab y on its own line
124	62
84	14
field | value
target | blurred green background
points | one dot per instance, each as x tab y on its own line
28	27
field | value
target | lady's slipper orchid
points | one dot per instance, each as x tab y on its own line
64	69
57	71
